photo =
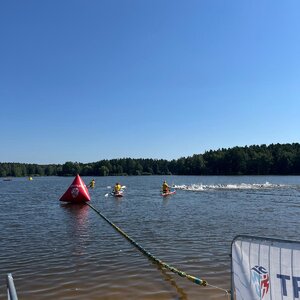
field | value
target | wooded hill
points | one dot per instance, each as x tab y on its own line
274	159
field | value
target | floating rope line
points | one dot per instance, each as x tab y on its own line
162	264
194	279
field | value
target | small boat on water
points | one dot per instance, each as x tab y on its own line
117	194
77	192
7	179
168	193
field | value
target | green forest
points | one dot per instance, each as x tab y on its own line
274	159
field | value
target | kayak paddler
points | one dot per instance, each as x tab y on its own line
165	187
117	188
92	184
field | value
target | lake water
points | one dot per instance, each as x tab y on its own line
57	251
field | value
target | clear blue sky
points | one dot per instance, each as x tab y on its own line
91	80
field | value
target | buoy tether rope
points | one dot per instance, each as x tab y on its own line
152	257
192	278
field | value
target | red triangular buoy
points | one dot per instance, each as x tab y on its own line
77	192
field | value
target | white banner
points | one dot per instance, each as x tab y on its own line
265	269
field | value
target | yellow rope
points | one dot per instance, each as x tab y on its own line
194	279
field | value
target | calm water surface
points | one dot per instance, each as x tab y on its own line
57	251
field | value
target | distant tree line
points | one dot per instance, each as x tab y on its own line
275	159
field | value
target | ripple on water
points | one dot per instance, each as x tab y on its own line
60	251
